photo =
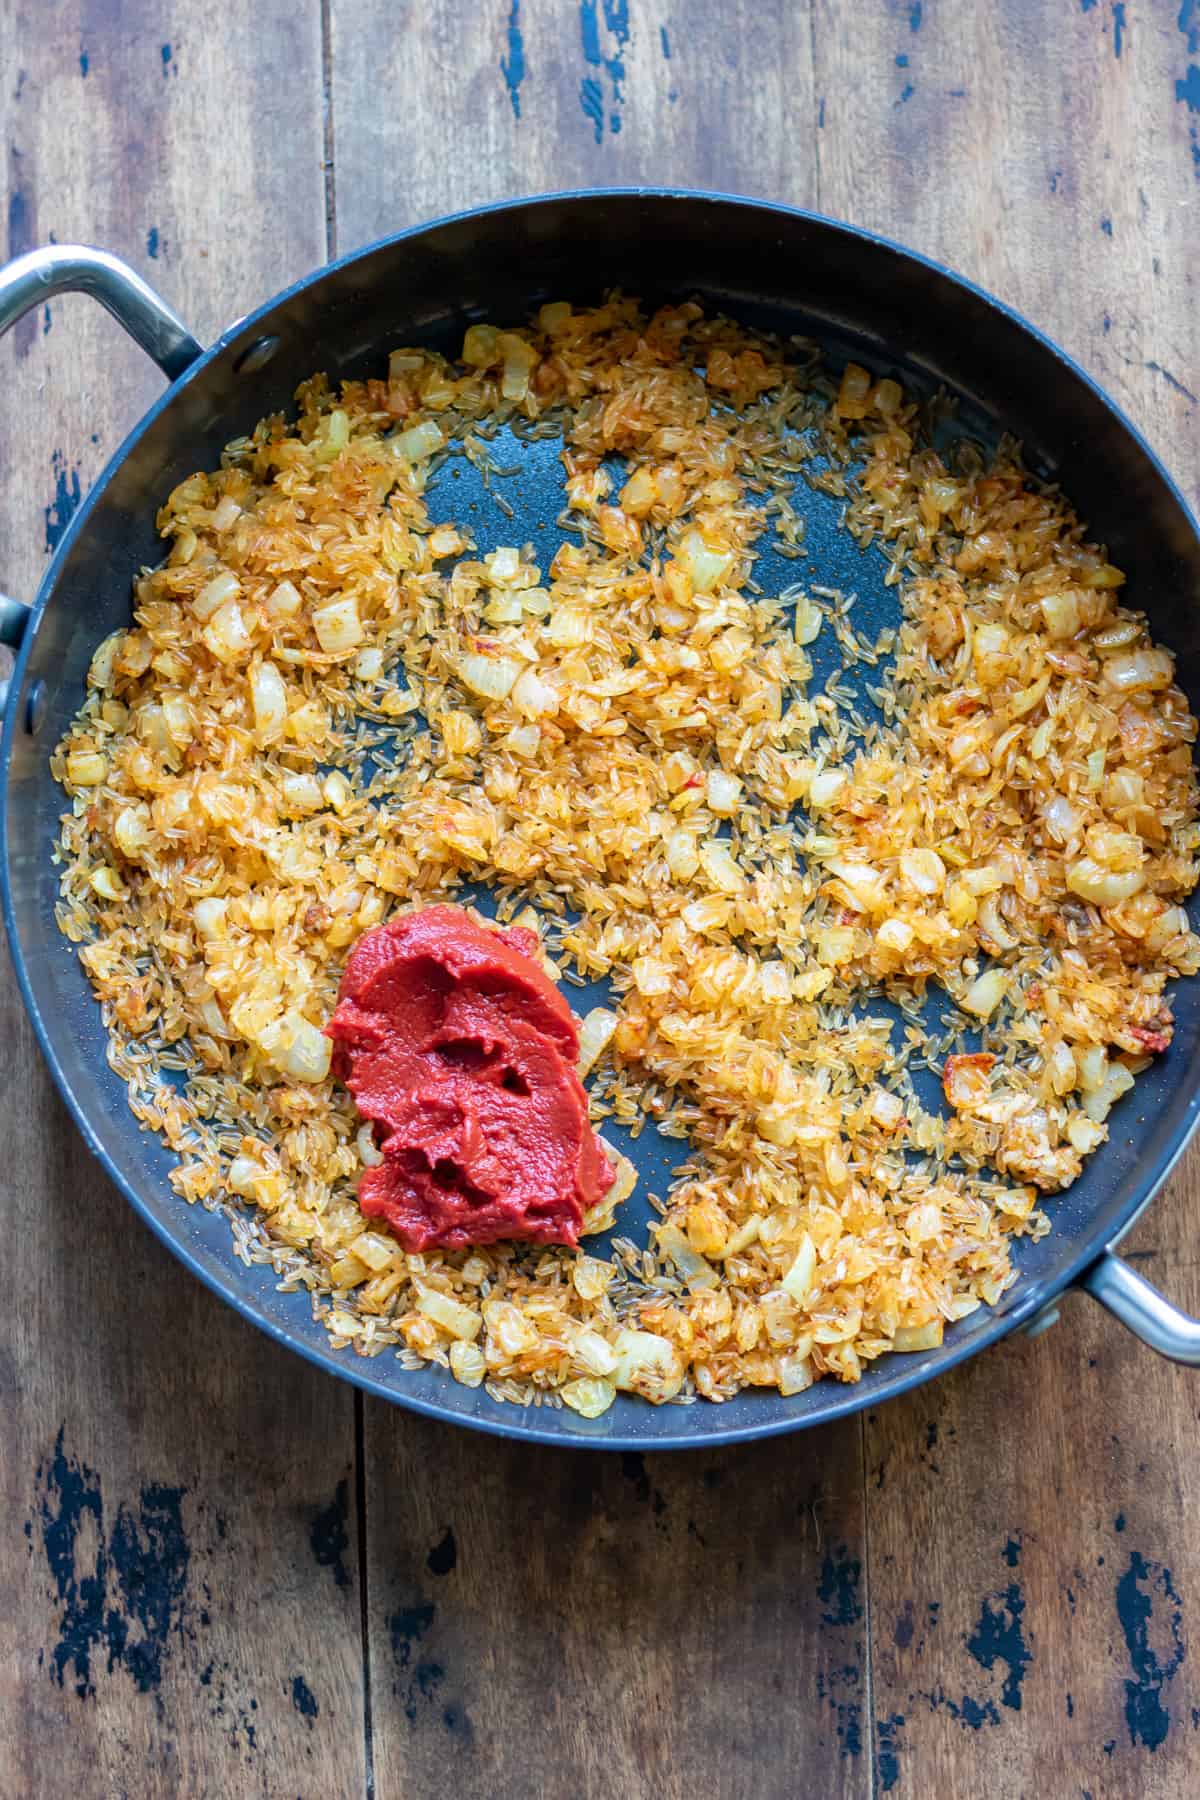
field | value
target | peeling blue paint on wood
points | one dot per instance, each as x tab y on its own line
65	504
998	1637
512	66
601	93
1152	1667
120	1593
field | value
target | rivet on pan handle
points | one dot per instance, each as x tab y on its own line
76	268
1139	1305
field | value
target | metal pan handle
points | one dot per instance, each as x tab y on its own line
77	268
1139	1305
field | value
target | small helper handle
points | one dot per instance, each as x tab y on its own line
31	280
1139	1306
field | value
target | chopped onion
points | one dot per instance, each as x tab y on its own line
268	699
338	626
1101	886
706	566
1140	672
918	1337
985	993
533	696
648	1365
720	869
418	441
297	1048
723	792
589	1396
86	768
801	1274
489	676
462	1322
595	1034
215	593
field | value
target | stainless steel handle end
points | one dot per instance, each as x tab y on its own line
78	268
1147	1313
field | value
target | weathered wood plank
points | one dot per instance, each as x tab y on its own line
179	1610
571	1624
1032	1569
526	97
577	1624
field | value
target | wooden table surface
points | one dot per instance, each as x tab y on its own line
222	1573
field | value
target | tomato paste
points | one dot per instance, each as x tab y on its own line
462	1052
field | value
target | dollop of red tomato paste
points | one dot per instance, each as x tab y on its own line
461	1052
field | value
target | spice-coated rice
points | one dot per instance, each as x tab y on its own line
327	708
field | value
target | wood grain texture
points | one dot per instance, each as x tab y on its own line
1004	1604
1032	1571
572	1624
179	1608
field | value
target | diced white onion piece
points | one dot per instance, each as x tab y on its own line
368	664
418	441
795	1374
595	1034
923	870
523	740
918	1337
520	360
268	699
682	856
887	1109
533	696
226	633
723	793
590	1277
131	830
100	672
508	1326
226	513
491	677
1061	1064
377	1252
467	1363
595	1353
589	1396
647	1364
706	566
801	1274
720	869
299	1049
985	993
775	980
337	792
1062	819
895	934
107	883
696	1272
1061	613
245	1173
1140	672
208	916
1101	886
1100	1102
462	1322
338	626
301	793
215	594
481	346
1084	1134
370	1155
825	787
284	600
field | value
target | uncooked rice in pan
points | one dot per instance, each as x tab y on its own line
328	709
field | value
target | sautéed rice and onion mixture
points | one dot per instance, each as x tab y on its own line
329	708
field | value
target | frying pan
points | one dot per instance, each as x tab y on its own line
770	267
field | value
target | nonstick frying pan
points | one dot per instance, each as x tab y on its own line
771	267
